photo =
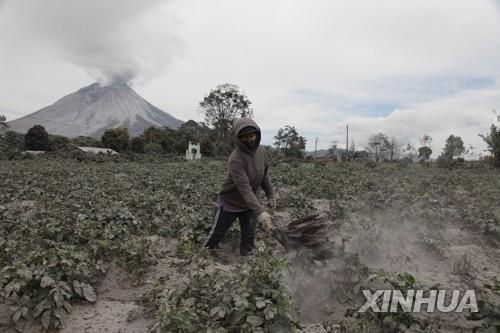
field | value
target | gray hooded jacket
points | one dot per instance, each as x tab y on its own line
247	173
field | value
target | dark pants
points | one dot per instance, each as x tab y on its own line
223	221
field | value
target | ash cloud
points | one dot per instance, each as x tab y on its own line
113	40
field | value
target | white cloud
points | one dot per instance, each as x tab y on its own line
466	114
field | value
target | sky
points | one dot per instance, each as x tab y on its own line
402	68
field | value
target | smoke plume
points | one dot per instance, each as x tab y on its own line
113	40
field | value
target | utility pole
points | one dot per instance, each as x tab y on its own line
315	147
347	143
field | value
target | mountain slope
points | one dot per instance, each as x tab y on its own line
92	109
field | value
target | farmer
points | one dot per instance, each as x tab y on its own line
247	172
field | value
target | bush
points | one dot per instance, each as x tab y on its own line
153	148
446	161
37	138
86	141
12	141
58	142
137	145
493	142
116	139
250	299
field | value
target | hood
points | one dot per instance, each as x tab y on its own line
238	126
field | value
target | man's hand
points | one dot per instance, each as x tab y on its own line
265	219
272	202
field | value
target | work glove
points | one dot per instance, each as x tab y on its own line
265	219
272	201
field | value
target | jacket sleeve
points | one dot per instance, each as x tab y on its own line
240	180
266	183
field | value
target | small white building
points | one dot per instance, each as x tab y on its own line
193	152
33	152
94	150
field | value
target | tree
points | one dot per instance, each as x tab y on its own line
393	147
454	147
191	131
37	138
410	151
13	141
137	145
152	134
166	137
289	142
493	141
222	106
3	124
424	153
116	139
425	140
153	148
379	145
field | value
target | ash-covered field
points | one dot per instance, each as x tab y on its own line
111	244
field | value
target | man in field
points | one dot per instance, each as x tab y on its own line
247	173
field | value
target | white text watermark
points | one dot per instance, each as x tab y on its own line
434	300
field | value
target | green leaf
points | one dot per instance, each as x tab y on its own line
89	293
13	286
68	307
61	314
59	299
77	286
255	321
235	318
214	311
16	316
25	312
24	274
46	318
190	302
47	281
40	307
269	313
260	304
221	330
218	311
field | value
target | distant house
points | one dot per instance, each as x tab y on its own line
94	150
33	152
327	154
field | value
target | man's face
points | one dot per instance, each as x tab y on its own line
250	140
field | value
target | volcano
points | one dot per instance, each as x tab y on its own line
92	109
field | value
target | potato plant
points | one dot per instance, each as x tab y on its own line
250	298
62	220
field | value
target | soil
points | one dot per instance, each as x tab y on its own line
439	254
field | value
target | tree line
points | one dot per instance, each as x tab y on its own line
220	108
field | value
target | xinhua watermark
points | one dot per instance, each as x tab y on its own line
434	300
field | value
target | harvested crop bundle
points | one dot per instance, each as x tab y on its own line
307	232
